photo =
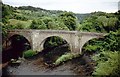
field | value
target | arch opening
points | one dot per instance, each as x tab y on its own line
54	41
54	47
17	45
92	46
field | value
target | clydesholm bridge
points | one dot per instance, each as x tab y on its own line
75	39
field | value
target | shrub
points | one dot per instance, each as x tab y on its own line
107	63
29	53
65	57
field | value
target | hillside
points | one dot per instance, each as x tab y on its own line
79	16
29	12
106	50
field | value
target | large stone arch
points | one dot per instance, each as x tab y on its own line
42	43
15	35
25	35
15	50
87	37
38	46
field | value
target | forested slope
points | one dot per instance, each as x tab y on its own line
107	49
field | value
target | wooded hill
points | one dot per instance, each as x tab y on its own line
107	49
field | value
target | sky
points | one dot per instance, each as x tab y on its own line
76	6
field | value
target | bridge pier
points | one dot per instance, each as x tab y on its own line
76	39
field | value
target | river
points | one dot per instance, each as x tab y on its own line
82	66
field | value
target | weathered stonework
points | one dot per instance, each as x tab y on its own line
75	39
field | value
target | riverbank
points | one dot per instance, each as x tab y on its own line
79	66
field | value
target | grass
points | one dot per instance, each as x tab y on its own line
16	22
65	57
29	53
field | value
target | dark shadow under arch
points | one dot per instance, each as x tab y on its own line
54	47
18	41
17	45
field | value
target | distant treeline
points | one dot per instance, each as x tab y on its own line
107	49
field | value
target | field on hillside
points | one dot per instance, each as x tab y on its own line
104	51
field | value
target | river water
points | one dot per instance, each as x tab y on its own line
83	66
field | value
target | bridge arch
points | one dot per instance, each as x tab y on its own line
89	44
20	38
44	37
10	35
16	45
24	35
75	39
58	37
86	38
7	43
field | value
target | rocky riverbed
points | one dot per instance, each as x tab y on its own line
83	66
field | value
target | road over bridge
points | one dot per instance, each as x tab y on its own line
75	39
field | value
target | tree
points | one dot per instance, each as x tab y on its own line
7	10
38	24
48	22
69	20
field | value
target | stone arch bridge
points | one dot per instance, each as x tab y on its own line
75	39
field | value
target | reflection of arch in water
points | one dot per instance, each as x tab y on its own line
42	44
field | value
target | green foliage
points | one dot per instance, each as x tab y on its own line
20	17
57	52
108	63
91	48
107	48
34	25
109	42
40	18
107	57
54	42
69	20
19	24
4	30
29	53
109	23
65	57
7	11
4	33
100	22
5	20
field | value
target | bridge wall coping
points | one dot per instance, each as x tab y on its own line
57	31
